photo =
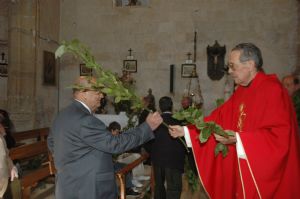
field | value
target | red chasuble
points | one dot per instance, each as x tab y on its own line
263	115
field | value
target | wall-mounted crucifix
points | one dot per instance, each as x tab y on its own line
130	56
215	61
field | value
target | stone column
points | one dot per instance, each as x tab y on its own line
23	26
298	41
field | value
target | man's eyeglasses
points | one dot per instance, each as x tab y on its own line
232	66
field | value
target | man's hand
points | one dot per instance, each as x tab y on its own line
154	120
176	131
14	173
224	140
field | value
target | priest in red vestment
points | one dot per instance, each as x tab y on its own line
264	154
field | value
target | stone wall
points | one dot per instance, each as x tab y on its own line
33	27
3	47
160	34
163	32
298	42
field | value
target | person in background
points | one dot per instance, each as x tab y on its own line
7	169
82	147
186	102
263	154
291	83
9	129
101	109
115	129
168	156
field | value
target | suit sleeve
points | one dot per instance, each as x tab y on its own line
95	134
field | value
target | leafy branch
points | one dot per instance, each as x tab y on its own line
195	116
106	81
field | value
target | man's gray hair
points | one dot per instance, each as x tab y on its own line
250	52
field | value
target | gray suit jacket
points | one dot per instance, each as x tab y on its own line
83	148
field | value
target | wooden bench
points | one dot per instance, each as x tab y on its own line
26	152
121	174
36	134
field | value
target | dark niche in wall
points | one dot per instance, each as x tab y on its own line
49	69
126	3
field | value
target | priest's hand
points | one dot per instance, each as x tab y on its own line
176	131
154	120
224	140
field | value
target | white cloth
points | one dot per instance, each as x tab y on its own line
239	147
187	137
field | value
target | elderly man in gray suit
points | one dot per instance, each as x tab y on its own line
83	147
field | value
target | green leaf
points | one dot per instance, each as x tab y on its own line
225	151
218	130
204	135
221	148
220	101
179	115
60	51
199	124
230	133
117	99
107	90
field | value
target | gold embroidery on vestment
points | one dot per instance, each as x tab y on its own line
242	117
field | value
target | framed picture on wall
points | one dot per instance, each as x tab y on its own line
49	68
187	70
85	71
130	65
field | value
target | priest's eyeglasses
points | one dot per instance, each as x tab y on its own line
233	66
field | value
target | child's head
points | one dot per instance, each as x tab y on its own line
114	128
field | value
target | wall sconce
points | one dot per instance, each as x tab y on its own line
3	66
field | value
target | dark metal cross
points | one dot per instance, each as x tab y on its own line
189	55
130	50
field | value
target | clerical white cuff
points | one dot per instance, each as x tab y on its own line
239	147
187	137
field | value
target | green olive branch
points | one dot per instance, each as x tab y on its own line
106	81
194	116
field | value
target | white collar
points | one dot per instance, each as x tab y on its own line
167	112
84	105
